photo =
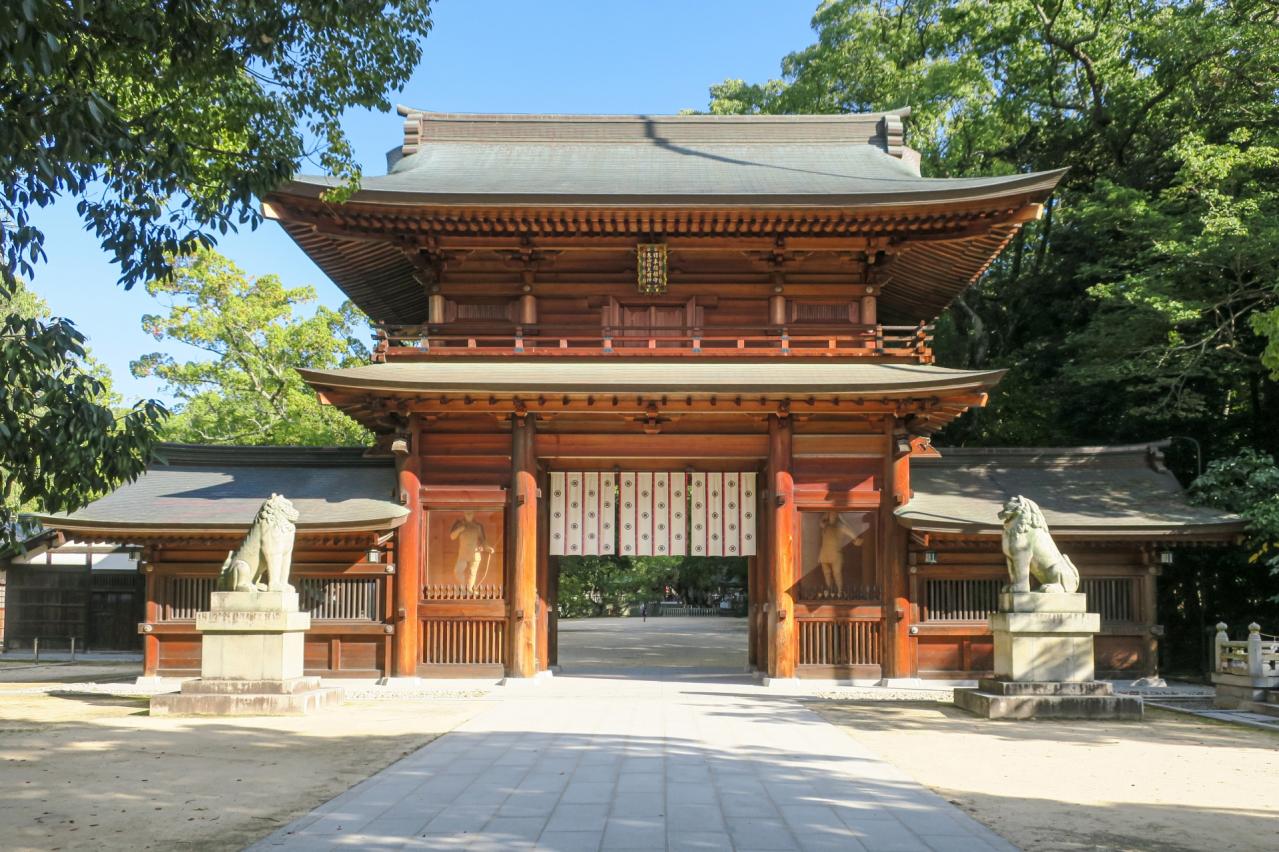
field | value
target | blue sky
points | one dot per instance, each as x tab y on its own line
572	56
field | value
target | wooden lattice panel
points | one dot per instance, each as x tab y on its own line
583	514
722	514
652	514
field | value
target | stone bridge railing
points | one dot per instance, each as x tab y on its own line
1256	657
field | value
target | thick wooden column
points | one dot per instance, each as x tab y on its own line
783	650
898	662
552	614
1149	607
150	642
408	561
543	586
522	625
752	603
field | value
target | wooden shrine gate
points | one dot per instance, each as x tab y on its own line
816	563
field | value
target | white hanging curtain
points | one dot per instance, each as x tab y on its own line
722	514
583	514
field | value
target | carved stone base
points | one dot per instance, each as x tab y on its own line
1044	637
250	661
294	697
1044	663
998	698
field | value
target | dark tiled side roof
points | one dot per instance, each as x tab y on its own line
1083	491
207	488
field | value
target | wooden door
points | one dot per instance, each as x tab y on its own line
654	321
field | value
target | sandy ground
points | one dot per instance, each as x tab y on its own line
96	772
1173	782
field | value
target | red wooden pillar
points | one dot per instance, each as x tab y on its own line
898	662
782	656
523	572
752	602
150	642
543	588
408	566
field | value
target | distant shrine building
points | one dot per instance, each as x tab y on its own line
662	335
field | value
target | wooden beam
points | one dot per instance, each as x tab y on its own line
605	448
524	545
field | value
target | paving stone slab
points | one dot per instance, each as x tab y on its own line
601	764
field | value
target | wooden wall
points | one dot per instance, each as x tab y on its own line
951	598
349	597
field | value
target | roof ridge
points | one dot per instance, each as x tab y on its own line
496	117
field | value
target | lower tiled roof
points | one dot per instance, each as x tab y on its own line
208	489
1083	491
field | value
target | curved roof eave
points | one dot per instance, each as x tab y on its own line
64	522
595	377
1161	529
932	192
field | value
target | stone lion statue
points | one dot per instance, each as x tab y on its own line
1031	552
262	561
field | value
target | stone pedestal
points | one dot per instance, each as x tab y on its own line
1044	663
250	661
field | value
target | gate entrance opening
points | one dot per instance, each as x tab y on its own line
649	616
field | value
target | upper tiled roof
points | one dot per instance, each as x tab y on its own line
670	159
211	489
1083	491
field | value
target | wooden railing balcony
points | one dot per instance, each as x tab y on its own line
911	343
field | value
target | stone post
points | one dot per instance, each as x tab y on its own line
1255	668
1219	647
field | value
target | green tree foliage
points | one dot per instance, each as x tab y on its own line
166	120
61	442
1146	301
248	391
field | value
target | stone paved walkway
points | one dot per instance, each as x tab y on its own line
608	762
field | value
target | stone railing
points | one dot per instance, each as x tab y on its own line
1257	656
